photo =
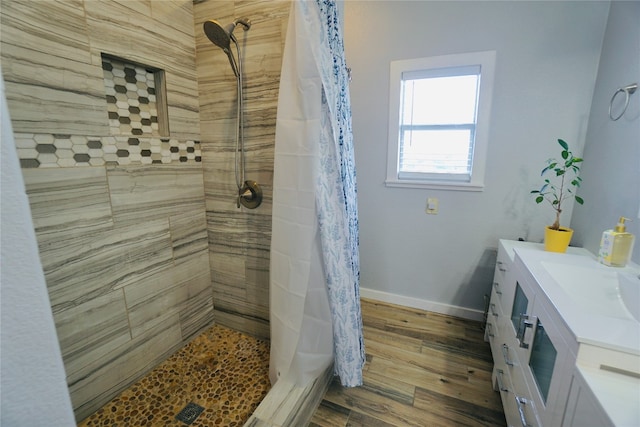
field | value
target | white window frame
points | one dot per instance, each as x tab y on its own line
486	61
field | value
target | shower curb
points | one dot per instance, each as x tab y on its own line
289	405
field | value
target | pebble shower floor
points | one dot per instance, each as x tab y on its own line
218	379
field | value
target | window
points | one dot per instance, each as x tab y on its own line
438	121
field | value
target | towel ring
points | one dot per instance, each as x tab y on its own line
627	90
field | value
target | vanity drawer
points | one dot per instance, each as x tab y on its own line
503	261
503	274
499	276
495	312
492	334
519	409
495	304
498	333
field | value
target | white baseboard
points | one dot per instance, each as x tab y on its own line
422	304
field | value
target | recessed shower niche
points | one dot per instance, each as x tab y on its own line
136	101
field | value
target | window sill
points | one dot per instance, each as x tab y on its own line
434	185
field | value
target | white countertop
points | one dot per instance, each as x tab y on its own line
511	245
590	320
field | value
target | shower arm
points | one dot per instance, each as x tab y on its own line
245	22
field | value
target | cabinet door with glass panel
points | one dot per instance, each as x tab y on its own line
516	335
542	349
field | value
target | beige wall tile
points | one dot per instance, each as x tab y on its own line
156	191
70	198
175	13
188	234
159	298
197	314
104	328
50	84
80	266
247	323
104	378
56	28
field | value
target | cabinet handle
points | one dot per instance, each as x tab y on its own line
499	380
520	331
490	330
497	286
505	354
493	310
521	401
523	324
500	267
527	324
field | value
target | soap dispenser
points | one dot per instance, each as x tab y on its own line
616	245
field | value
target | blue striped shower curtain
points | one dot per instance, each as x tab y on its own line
315	272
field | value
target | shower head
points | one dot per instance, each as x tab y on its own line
222	37
218	35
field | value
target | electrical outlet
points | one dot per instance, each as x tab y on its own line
432	206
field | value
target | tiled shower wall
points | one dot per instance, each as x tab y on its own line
120	219
239	239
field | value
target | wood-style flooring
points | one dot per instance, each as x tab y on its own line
423	369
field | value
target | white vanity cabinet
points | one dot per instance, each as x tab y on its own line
565	345
532	350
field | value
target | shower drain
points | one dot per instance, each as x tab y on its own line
189	413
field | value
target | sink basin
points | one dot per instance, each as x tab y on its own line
599	289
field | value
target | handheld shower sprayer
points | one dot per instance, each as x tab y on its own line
249	192
223	36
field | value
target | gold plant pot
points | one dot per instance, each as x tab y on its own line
557	240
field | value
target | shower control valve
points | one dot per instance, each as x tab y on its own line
250	195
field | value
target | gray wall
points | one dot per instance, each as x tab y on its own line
547	59
611	170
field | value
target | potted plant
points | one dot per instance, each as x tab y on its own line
561	183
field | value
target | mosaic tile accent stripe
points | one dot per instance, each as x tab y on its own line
52	150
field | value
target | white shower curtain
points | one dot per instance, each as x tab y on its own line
314	289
